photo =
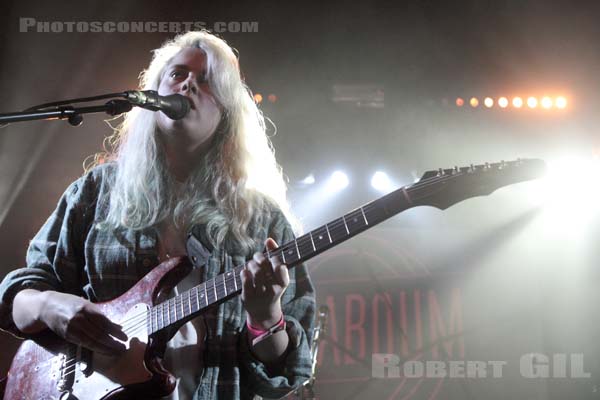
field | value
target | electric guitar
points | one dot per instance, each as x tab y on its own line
48	367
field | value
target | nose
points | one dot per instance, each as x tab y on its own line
189	84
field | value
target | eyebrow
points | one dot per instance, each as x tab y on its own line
183	66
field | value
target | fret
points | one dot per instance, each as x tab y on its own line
297	250
289	253
225	287
155	318
166	305
376	211
238	278
320	238
148	321
337	230
194	300
328	234
174	305
283	256
160	316
345	224
201	295
220	285
312	241
235	279
364	216
182	302
195	289
355	222
211	292
228	288
205	294
189	302
305	247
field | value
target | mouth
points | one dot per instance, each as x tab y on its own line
192	104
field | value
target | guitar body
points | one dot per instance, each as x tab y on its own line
49	368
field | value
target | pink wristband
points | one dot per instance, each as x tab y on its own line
257	335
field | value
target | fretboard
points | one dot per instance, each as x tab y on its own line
192	302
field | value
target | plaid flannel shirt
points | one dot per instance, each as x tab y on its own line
71	254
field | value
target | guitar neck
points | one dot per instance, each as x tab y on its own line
439	188
192	302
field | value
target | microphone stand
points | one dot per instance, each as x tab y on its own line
72	114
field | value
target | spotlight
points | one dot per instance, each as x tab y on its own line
517	102
272	98
258	98
381	182
309	180
503	102
338	181
574	173
459	102
489	102
474	102
560	102
532	102
546	102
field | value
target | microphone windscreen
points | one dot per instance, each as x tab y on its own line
175	106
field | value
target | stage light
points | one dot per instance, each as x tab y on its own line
459	102
546	102
338	181
560	102
503	102
258	98
474	102
381	182
309	180
489	102
532	102
272	98
517	102
567	194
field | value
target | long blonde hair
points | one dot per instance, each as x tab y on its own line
237	183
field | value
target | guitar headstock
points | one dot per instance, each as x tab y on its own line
445	187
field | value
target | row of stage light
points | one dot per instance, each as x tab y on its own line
258	98
546	102
338	181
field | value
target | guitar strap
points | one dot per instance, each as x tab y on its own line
198	247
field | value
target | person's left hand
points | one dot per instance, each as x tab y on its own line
263	284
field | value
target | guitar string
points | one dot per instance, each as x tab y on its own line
142	318
139	321
70	364
178	302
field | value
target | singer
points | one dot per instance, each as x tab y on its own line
211	173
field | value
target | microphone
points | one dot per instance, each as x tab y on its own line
174	106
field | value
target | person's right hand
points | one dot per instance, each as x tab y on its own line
80	321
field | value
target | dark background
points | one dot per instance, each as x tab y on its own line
527	278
